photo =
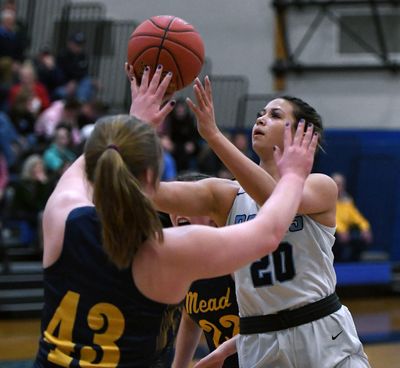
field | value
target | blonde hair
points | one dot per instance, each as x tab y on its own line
29	164
117	154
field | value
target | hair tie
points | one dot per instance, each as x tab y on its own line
114	147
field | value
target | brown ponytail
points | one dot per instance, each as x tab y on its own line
117	155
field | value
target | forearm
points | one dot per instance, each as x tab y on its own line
254	180
283	204
186	342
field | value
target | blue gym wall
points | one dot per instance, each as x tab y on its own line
370	159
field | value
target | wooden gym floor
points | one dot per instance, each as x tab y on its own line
377	321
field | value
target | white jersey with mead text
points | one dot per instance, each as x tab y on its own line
299	272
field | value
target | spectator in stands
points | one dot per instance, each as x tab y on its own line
353	231
241	140
10	140
12	39
169	171
49	73
90	112
209	163
3	176
12	48
32	191
62	111
27	99
74	64
58	157
180	126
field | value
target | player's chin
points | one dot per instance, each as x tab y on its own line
257	139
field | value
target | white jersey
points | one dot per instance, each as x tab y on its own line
299	272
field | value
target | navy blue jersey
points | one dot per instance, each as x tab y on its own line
211	303
94	315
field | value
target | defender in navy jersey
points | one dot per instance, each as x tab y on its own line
130	329
210	305
110	268
288	308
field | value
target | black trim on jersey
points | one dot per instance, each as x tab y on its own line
290	318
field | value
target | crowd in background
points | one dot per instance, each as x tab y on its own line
48	105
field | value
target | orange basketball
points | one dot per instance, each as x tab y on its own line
170	41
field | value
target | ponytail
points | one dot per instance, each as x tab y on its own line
127	216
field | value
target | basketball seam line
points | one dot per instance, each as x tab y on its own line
172	41
159	27
161	47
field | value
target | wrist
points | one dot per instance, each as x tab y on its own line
293	177
214	137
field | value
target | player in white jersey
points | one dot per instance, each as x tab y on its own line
285	279
290	314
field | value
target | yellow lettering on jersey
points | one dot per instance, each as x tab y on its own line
230	320
193	305
100	316
208	326
104	318
64	319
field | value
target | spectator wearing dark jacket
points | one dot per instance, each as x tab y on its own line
74	64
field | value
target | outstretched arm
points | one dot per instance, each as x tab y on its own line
209	197
255	181
320	191
262	234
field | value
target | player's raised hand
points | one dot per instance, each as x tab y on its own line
148	97
298	152
204	109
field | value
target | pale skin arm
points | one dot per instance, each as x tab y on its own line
212	197
319	191
209	197
168	270
71	191
255	181
188	338
216	358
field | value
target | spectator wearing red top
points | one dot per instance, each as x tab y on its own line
27	99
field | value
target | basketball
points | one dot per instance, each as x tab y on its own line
171	42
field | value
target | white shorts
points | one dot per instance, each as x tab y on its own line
328	342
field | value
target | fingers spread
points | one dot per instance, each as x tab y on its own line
307	136
287	138
162	88
191	105
314	143
166	109
145	79
199	93
298	136
208	87
155	81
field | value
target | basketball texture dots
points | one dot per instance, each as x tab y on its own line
170	41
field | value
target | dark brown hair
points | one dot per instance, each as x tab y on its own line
302	110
